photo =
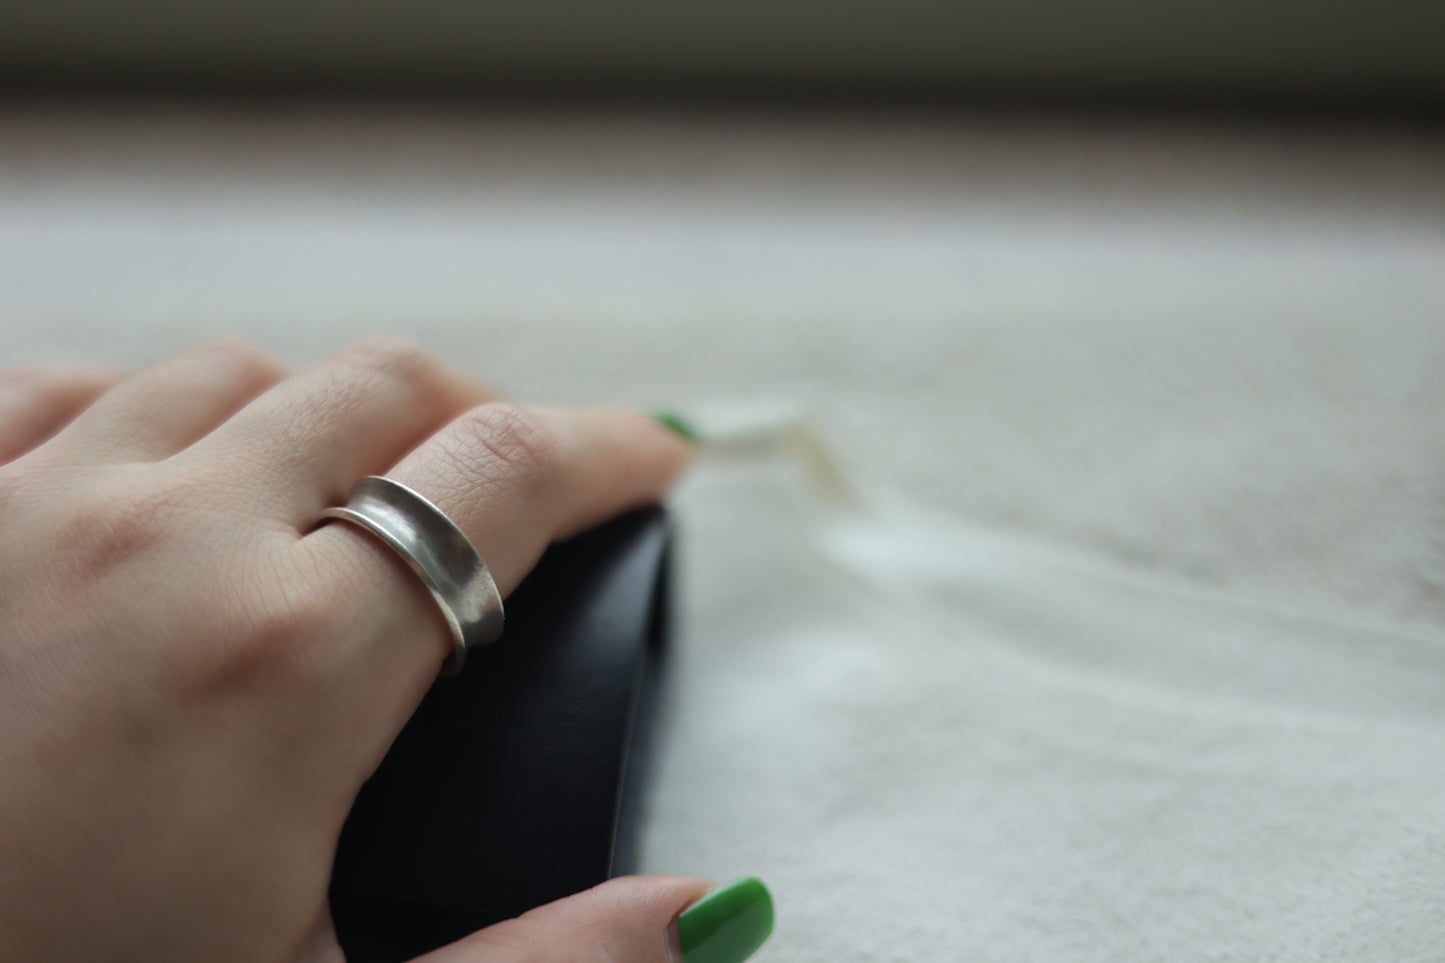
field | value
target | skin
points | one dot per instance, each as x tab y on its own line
195	680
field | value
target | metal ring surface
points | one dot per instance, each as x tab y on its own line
439	553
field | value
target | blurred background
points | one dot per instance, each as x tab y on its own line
1142	304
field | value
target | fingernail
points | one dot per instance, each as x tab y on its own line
728	924
676	422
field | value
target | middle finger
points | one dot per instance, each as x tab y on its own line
354	414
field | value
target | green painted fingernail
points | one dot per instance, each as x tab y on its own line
675	421
728	924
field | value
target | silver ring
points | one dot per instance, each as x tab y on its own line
437	551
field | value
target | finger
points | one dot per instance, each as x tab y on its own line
354	414
641	919
165	408
35	403
513	479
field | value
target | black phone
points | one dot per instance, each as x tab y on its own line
520	780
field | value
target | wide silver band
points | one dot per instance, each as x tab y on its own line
437	551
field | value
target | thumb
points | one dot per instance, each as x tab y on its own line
640	919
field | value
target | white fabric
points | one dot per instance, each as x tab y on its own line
947	743
1131	649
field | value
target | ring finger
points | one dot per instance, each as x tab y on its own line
514	479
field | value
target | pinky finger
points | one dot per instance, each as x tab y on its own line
35	403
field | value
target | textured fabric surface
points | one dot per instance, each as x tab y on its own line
1124	638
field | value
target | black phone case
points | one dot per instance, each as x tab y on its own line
518	781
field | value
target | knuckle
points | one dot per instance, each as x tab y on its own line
37	385
516	445
392	357
245	359
22	380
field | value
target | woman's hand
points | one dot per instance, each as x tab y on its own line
195	680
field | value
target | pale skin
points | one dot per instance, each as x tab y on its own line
195	680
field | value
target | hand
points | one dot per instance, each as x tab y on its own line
195	680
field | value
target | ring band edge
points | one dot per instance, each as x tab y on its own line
458	655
